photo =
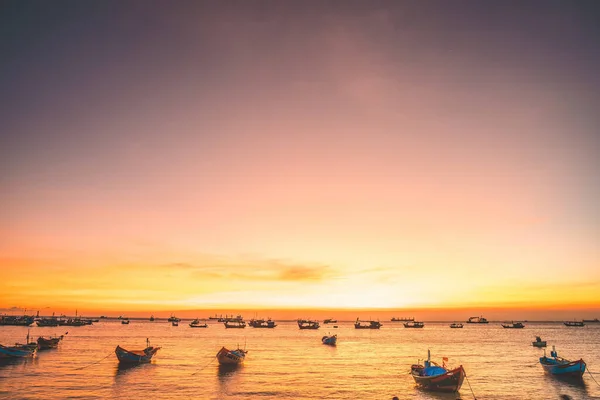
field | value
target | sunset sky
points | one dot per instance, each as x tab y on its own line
159	156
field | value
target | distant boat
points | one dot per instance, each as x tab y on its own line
136	356
173	318
261	323
197	324
592	321
72	322
45	322
45	343
235	324
367	324
237	318
152	318
308	324
329	340
402	319
513	325
559	366
477	320
456	325
231	357
330	321
215	317
539	342
125	321
414	324
22	320
574	323
431	376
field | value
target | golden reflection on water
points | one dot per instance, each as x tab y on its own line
287	362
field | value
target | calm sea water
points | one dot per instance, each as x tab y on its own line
286	362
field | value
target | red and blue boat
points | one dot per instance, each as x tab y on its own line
433	377
559	366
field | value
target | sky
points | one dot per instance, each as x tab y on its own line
358	155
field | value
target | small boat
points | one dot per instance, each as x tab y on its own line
44	322
456	325
330	340
513	325
539	342
125	321
367	324
45	343
308	324
396	319
173	318
196	324
261	323
477	320
235	324
175	323
237	318
136	356
216	317
574	323
231	357
152	318
592	321
17	351
431	376
556	365
330	321
23	320
414	324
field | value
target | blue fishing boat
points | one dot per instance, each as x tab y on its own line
539	342
329	340
558	366
367	324
136	356
18	350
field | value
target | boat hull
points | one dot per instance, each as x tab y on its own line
451	381
135	356
329	340
48	343
573	369
231	357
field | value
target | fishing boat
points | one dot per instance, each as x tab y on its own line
330	340
402	319
173	318
16	351
538	342
234	324
592	321
308	324
431	376
261	323
367	324
477	320
556	365
237	318
231	357
49	321
456	325
22	320
197	324
330	321
513	325
125	321
414	324
45	343
574	323
152	318
136	356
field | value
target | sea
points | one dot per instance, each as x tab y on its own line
288	363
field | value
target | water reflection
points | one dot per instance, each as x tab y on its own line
122	370
227	371
567	385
